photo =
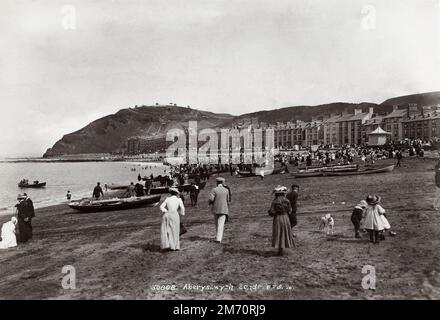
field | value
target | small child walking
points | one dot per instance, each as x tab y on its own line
374	223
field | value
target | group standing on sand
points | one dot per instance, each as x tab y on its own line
375	220
283	209
173	208
19	228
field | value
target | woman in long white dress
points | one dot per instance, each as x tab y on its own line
170	228
9	239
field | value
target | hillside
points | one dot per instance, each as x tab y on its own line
109	134
422	99
306	113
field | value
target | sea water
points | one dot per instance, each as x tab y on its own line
78	177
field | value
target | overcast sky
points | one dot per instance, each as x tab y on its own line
66	63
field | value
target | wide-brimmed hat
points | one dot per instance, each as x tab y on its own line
220	179
373	200
279	189
362	204
21	196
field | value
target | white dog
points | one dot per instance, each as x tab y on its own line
327	223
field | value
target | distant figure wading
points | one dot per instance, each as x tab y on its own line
97	191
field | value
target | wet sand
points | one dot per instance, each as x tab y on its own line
116	255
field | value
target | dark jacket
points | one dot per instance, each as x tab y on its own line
280	206
357	214
292	196
25	209
97	192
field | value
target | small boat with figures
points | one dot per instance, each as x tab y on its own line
91	205
36	184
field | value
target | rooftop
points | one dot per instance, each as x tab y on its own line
396	114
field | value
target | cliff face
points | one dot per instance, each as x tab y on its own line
109	134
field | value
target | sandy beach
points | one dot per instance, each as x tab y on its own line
116	255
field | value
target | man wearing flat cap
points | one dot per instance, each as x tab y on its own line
218	199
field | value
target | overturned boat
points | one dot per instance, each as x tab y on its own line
88	205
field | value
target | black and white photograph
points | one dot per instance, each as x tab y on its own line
227	150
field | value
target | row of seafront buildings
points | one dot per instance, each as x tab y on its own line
406	121
352	128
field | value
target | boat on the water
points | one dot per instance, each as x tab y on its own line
89	205
35	184
348	172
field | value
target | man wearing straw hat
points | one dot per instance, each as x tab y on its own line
218	199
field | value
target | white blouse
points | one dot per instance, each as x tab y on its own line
173	204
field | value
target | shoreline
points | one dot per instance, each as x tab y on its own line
117	254
42	160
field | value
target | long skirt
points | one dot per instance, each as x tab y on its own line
170	231
282	232
373	221
24	231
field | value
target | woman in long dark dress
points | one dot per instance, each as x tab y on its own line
281	230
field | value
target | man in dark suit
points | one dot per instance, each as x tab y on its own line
25	213
292	196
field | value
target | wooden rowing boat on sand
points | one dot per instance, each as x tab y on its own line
88	205
349	172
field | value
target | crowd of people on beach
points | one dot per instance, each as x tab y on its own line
347	154
368	215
